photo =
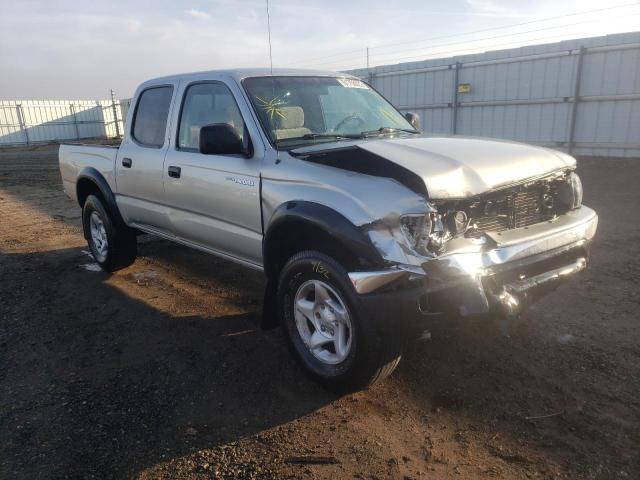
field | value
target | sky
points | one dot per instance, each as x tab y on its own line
78	49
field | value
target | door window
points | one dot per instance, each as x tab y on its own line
150	119
204	104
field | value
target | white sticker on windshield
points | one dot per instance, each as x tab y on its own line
352	83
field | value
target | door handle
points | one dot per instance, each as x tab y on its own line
126	162
174	172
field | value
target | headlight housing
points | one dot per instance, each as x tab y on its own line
570	193
416	230
425	234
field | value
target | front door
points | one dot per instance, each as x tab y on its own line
140	163
214	200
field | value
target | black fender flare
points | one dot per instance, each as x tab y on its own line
323	218
95	177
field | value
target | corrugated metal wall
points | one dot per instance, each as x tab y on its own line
34	121
529	94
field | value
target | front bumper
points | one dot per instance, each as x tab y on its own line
500	273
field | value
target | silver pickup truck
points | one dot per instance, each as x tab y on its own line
364	228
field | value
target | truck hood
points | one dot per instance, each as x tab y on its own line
461	167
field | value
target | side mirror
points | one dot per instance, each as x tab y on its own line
413	119
222	139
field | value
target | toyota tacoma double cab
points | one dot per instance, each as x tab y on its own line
364	228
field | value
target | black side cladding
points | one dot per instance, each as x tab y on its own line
358	160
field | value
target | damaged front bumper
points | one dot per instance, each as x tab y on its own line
500	273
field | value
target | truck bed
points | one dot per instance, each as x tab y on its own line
74	158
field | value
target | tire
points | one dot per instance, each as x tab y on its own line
98	224
351	361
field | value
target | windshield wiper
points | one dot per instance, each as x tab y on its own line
345	136
320	136
313	136
384	130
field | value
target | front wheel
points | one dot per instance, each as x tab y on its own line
327	327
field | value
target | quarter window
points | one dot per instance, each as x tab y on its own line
204	104
150	120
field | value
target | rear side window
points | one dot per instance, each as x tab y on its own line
150	119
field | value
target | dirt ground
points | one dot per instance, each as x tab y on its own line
161	370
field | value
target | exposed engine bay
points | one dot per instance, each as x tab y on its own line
428	234
514	207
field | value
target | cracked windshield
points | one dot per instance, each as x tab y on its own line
301	110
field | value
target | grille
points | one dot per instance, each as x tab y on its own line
511	209
528	208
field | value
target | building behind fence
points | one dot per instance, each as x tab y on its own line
578	95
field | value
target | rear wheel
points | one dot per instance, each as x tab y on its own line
113	246
327	327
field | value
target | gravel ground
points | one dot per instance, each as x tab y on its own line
161	371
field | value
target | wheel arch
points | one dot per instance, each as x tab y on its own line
302	225
91	182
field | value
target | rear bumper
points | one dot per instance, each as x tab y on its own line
501	273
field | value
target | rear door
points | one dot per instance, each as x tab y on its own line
140	163
214	200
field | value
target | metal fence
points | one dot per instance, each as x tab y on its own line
35	121
579	95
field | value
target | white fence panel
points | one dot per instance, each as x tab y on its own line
24	122
578	95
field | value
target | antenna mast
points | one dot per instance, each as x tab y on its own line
269	31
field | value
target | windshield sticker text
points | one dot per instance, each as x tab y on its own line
352	83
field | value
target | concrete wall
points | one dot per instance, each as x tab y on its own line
580	95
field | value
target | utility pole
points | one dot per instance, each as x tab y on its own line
367	58
269	32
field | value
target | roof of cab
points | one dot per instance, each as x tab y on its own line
241	73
